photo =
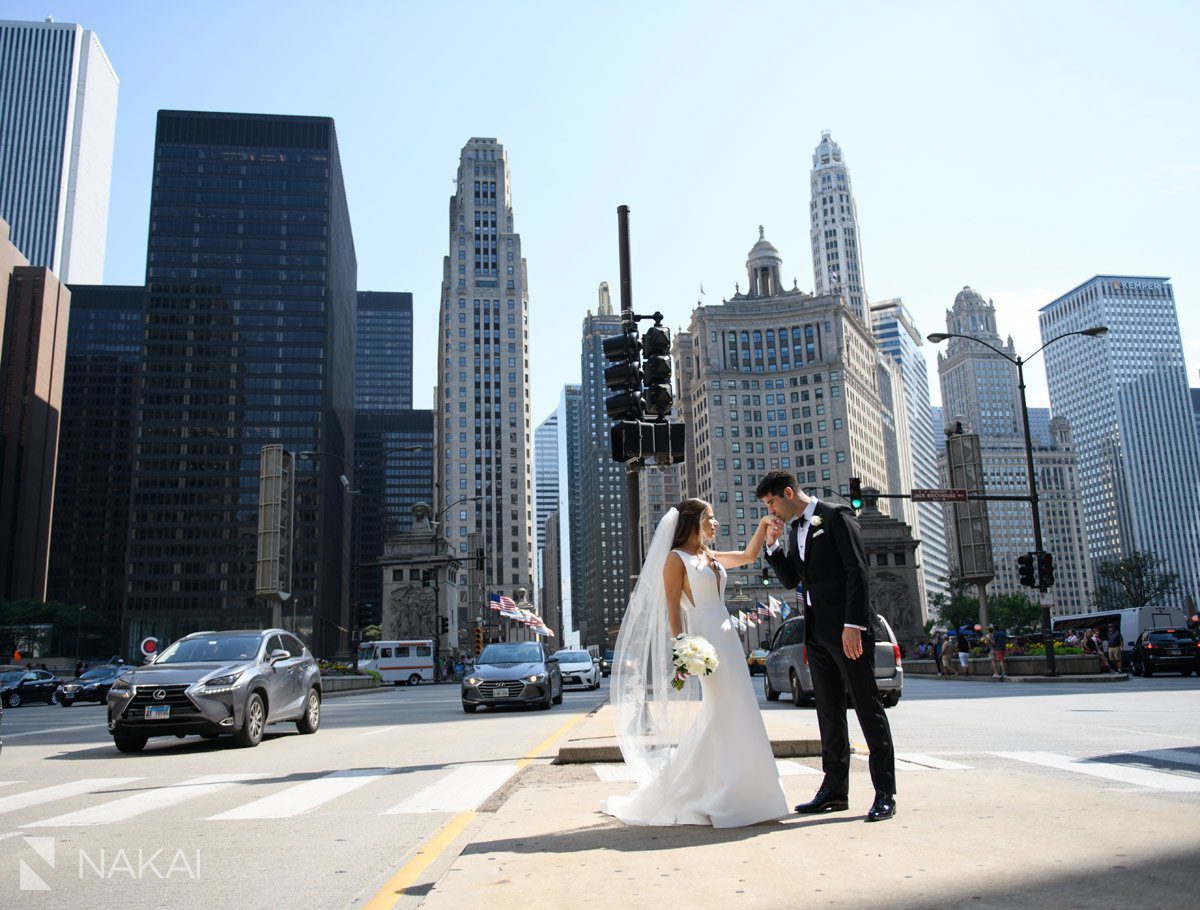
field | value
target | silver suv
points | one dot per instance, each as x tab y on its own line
214	683
787	664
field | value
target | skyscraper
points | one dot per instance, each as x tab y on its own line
836	240
96	446
603	559
34	310
545	482
250	326
58	117
979	387
570	505
897	336
482	427
1126	395
383	364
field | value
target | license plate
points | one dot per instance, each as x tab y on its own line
1173	652
158	712
500	693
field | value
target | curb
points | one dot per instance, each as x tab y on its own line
342	693
1081	678
610	752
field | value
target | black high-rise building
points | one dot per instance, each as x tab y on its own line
383	368
391	479
95	447
250	339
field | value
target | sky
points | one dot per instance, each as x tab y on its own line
1018	148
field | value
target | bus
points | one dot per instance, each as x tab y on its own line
398	662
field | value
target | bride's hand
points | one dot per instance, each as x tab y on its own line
774	528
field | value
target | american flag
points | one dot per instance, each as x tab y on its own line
494	602
507	602
762	609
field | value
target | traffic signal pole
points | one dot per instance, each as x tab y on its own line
1043	601
629	324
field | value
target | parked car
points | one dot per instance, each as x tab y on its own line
513	673
787	664
93	685
1166	649
18	687
606	663
578	669
757	661
214	683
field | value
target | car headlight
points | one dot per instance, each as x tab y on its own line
472	680
221	682
121	683
535	678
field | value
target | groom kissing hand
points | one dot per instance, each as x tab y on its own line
820	546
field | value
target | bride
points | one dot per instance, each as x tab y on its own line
697	760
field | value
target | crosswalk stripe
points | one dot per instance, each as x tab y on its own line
790	768
930	761
1157	780
306	796
901	765
60	791
148	801
462	789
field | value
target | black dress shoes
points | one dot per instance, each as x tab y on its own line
883	808
824	801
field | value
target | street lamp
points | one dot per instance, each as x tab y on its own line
78	626
1019	362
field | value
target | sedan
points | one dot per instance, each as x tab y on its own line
18	687
513	673
93	685
578	669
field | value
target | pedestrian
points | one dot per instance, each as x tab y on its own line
1072	639
964	654
458	668
1116	642
1098	648
999	650
947	658
937	651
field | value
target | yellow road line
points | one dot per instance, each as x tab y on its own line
407	874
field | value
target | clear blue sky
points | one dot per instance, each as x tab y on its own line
1018	147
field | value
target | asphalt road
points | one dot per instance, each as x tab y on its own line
314	821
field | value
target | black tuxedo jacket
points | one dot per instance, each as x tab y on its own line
833	572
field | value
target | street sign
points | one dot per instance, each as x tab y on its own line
926	494
149	646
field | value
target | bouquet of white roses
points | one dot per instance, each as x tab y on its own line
692	656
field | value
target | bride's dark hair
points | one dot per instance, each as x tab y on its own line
691	513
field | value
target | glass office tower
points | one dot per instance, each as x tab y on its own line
384	366
250	338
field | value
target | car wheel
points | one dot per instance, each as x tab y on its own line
768	689
13	700
53	699
558	699
414	679
254	723
1185	672
310	721
890	699
129	743
797	692
546	703
469	708
66	702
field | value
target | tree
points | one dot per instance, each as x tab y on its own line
960	608
1138	580
371	633
1014	611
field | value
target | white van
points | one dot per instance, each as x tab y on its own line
398	661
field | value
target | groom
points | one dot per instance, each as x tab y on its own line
823	549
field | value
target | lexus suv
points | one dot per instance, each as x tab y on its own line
214	683
513	673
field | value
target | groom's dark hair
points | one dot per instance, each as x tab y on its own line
774	483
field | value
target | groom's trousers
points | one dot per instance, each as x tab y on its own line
832	675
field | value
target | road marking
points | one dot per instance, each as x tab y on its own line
791	768
11	834
306	796
394	888
61	791
901	764
97	726
9	783
463	788
380	730
148	801
1157	780
930	761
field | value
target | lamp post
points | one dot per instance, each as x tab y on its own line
78	627
1019	362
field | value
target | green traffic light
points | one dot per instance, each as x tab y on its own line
856	504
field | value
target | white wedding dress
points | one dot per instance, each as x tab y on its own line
723	771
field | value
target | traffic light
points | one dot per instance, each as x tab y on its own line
444	625
478	640
624	377
766	579
1025	569
856	500
656	368
1045	570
